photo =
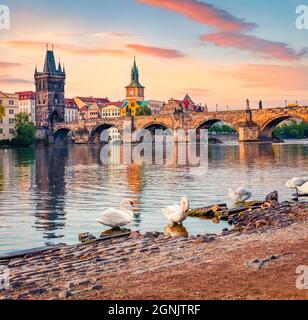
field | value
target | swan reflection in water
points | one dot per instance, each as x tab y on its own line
176	230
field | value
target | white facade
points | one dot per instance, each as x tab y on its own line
110	111
70	114
28	106
10	102
114	134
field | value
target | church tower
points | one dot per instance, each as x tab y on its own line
135	91
50	87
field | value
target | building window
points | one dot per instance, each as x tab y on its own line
1	131
11	131
11	121
11	111
11	102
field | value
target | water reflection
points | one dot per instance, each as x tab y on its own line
176	230
53	194
50	191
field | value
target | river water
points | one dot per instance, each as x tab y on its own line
50	195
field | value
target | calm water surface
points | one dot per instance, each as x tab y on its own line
50	195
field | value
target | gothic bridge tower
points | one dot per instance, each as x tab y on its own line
50	92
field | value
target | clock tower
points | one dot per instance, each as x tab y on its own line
135	91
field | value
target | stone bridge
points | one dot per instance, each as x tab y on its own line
251	125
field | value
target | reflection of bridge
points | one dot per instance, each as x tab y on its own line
252	125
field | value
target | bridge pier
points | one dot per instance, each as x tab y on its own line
249	134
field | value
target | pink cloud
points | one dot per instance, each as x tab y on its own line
157	52
269	49
204	13
8	65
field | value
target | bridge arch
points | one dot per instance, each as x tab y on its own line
155	125
267	129
62	136
96	132
207	123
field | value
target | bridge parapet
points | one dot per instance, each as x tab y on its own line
251	125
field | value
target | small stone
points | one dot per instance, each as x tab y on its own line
65	294
273	196
84	237
149	235
135	235
97	287
261	223
216	208
37	291
204	238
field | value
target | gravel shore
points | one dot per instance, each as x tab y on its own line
253	261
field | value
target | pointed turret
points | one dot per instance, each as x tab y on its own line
59	67
135	77
135	90
50	64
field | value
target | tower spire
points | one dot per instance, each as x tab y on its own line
50	64
59	66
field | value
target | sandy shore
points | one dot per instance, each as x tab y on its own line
161	267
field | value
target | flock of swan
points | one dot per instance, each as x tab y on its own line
116	218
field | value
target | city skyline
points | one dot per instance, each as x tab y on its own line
218	53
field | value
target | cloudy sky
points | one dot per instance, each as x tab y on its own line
220	52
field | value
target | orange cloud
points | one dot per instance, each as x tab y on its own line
12	81
8	65
157	52
281	78
269	49
204	13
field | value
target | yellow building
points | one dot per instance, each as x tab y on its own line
10	102
130	107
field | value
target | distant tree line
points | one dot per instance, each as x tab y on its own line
291	130
222	129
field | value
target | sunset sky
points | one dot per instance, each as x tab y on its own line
217	51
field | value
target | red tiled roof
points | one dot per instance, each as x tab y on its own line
70	103
93	100
117	103
25	95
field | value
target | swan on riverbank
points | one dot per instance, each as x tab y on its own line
240	194
177	214
117	218
299	184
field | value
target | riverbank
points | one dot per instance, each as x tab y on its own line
255	262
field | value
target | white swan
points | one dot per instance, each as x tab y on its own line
296	182
240	194
303	189
116	218
177	214
300	184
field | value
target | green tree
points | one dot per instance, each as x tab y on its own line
2	112
24	131
222	129
291	130
144	111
